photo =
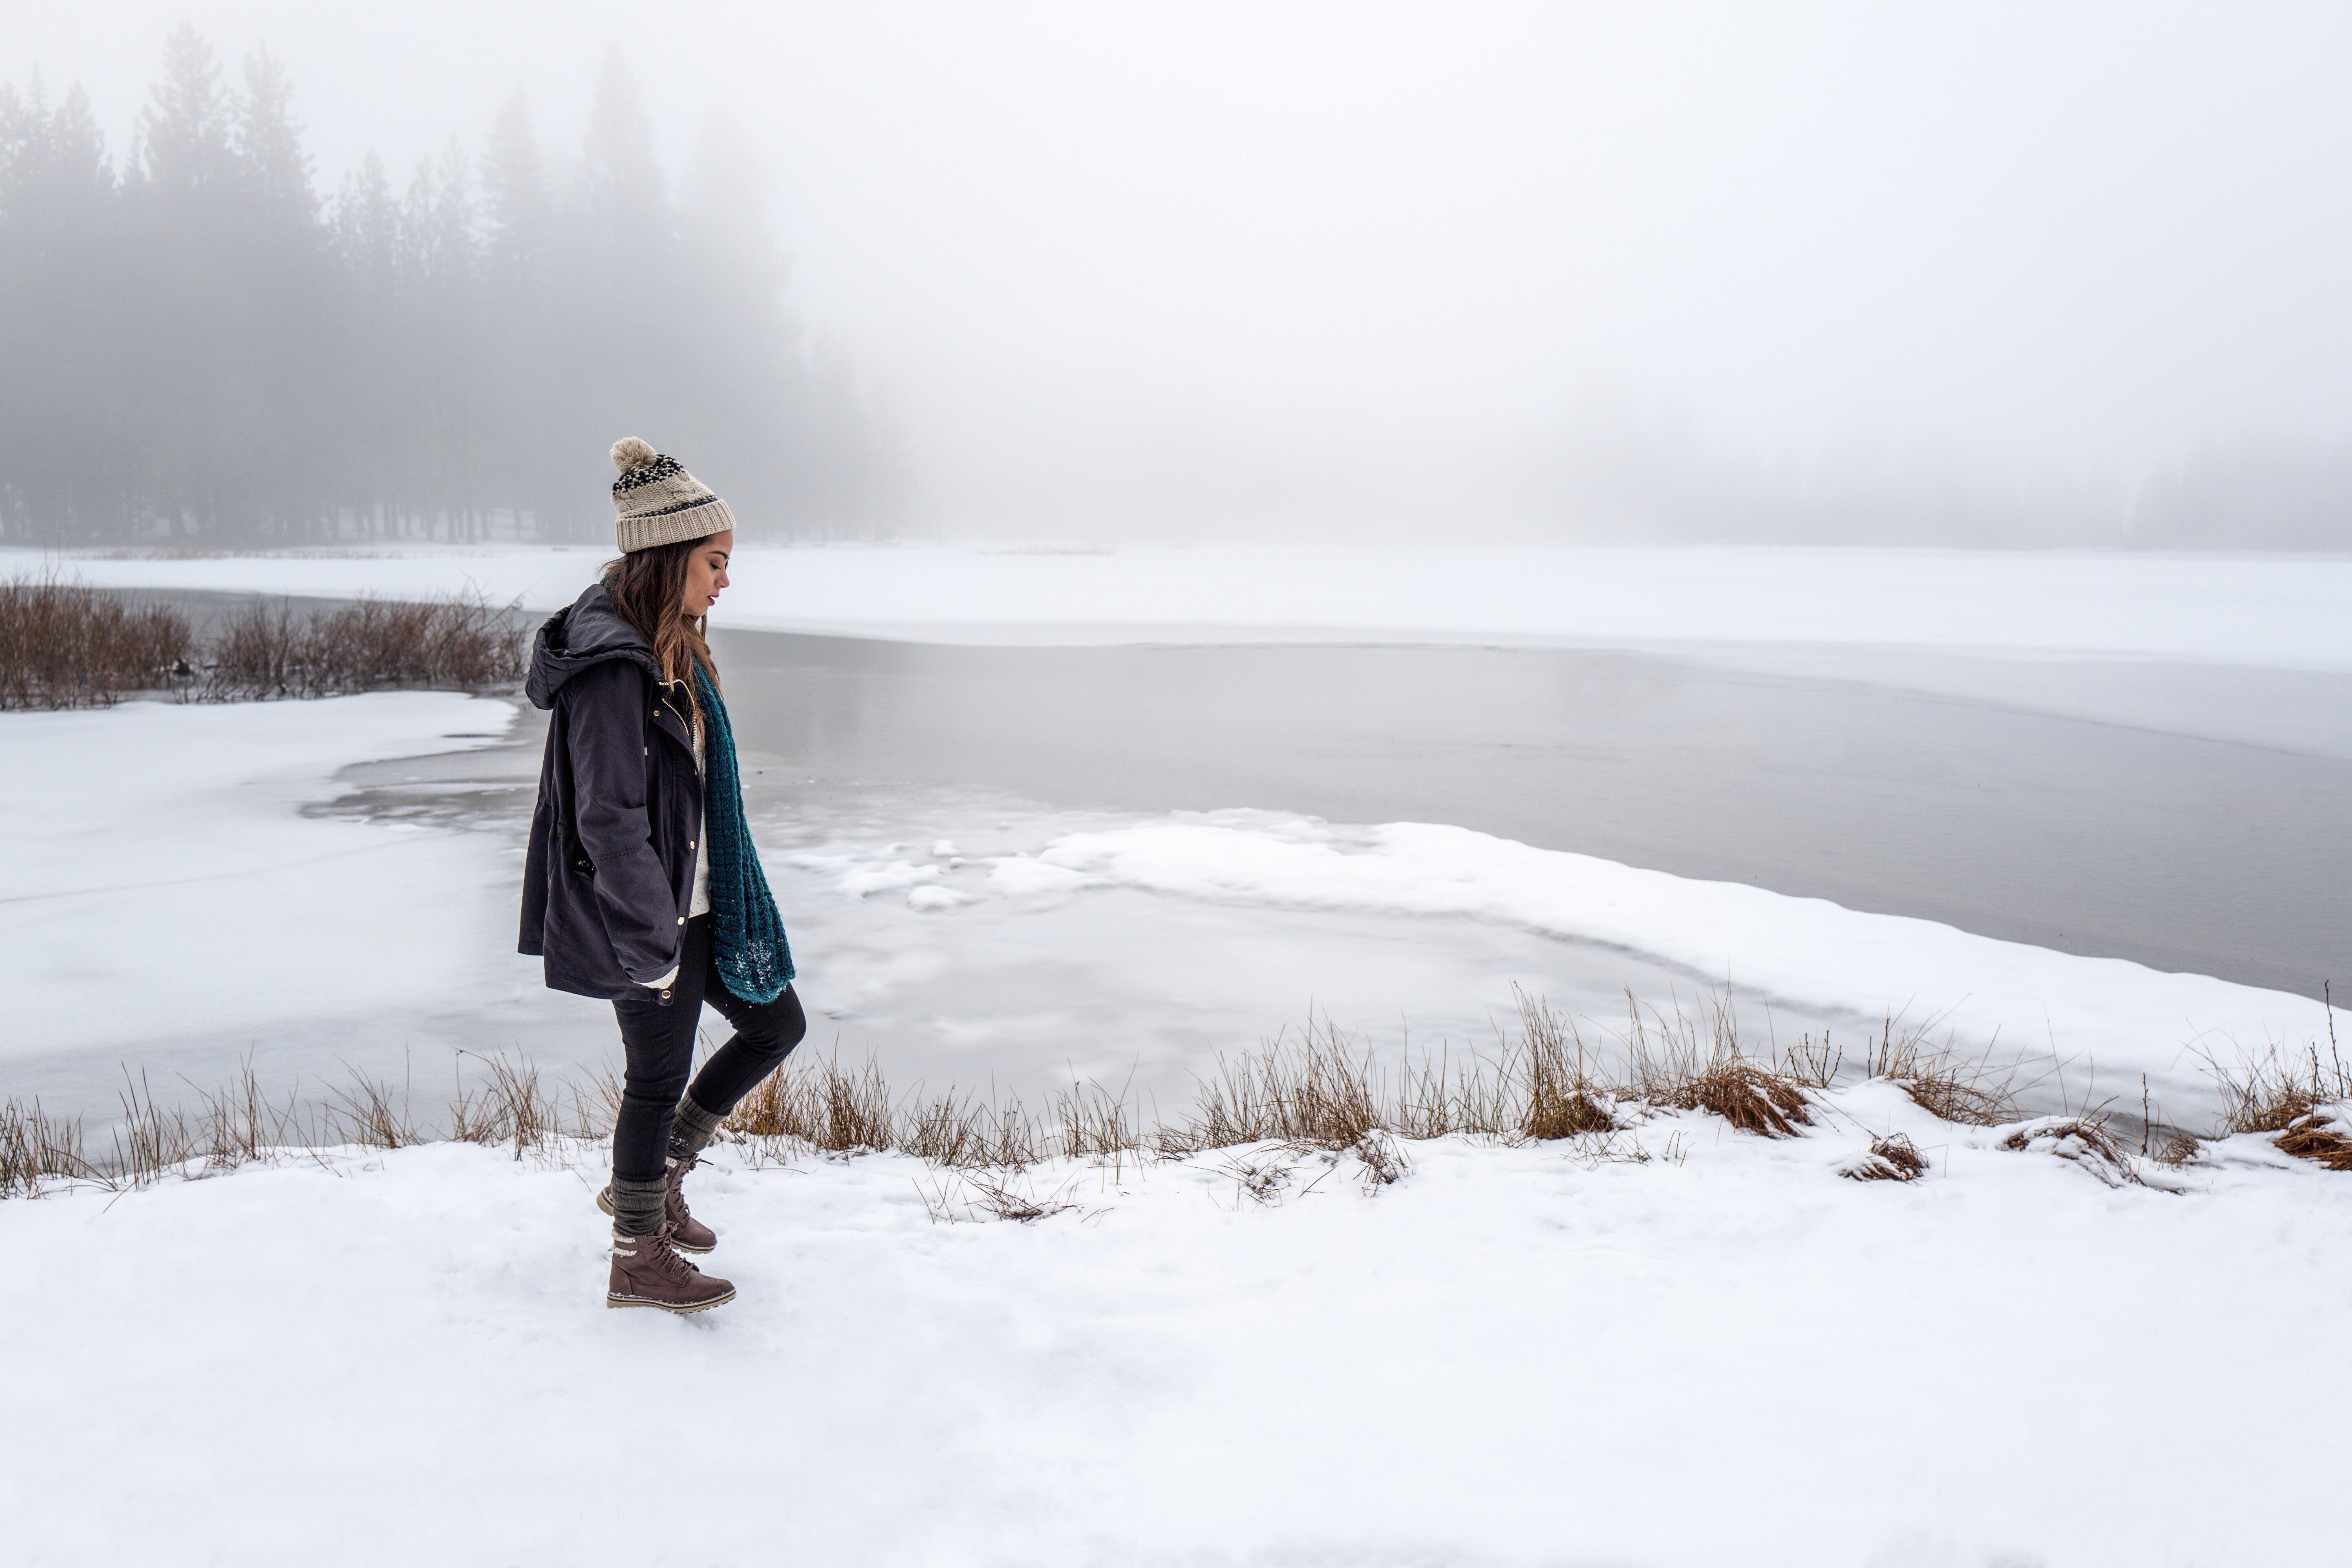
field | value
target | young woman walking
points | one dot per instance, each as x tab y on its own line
640	885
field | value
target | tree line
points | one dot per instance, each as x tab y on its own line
203	349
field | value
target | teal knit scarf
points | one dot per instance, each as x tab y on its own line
747	935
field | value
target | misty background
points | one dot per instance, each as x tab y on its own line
1994	274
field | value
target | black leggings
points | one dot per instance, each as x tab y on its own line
658	1038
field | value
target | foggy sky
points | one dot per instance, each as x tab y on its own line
1215	268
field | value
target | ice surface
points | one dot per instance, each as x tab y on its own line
2103	1016
162	883
1727	1354
214	880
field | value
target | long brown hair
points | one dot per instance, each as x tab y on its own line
648	588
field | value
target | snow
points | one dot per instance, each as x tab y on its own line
161	879
2112	1020
199	891
1680	1345
2271	611
1547	1354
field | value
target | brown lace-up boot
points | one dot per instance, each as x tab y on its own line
648	1272
687	1233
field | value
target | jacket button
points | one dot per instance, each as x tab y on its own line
646	751
681	920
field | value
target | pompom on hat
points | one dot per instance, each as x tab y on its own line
658	503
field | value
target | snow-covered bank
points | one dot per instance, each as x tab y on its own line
2259	610
1530	1355
161	880
2104	1020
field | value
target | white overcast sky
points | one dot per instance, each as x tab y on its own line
1277	241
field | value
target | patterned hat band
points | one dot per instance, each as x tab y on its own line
656	502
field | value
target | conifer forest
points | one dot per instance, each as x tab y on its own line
216	351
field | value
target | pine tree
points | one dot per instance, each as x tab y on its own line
222	354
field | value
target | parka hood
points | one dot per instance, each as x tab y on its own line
589	631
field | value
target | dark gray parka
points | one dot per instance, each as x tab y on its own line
610	873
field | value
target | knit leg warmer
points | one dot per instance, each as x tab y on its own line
637	1207
692	1131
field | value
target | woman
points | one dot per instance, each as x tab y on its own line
641	884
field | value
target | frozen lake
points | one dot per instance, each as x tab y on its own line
2187	816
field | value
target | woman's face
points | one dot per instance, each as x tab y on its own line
705	571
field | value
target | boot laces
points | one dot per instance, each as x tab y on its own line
667	1258
674	1197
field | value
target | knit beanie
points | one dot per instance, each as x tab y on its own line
658	503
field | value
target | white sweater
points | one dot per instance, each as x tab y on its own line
701	904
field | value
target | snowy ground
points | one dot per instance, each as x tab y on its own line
1533	1355
2279	612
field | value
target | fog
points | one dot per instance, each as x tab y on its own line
1982	274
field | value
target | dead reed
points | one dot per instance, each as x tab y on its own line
62	645
1695	1062
1319	1094
237	1124
511	1107
1971	1092
36	1149
1564	1095
1319	1089
456	642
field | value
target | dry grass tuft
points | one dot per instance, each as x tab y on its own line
1565	1097
235	1124
1324	1093
964	1132
2310	1138
36	1149
998	1196
1696	1063
1749	1097
973	1193
1382	1162
812	1099
2084	1140
1893	1158
514	1108
1260	1175
1091	1123
364	1113
2295	1097
1941	1083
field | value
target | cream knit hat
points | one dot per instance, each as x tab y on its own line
658	503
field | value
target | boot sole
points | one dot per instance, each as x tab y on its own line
680	1308
604	1201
